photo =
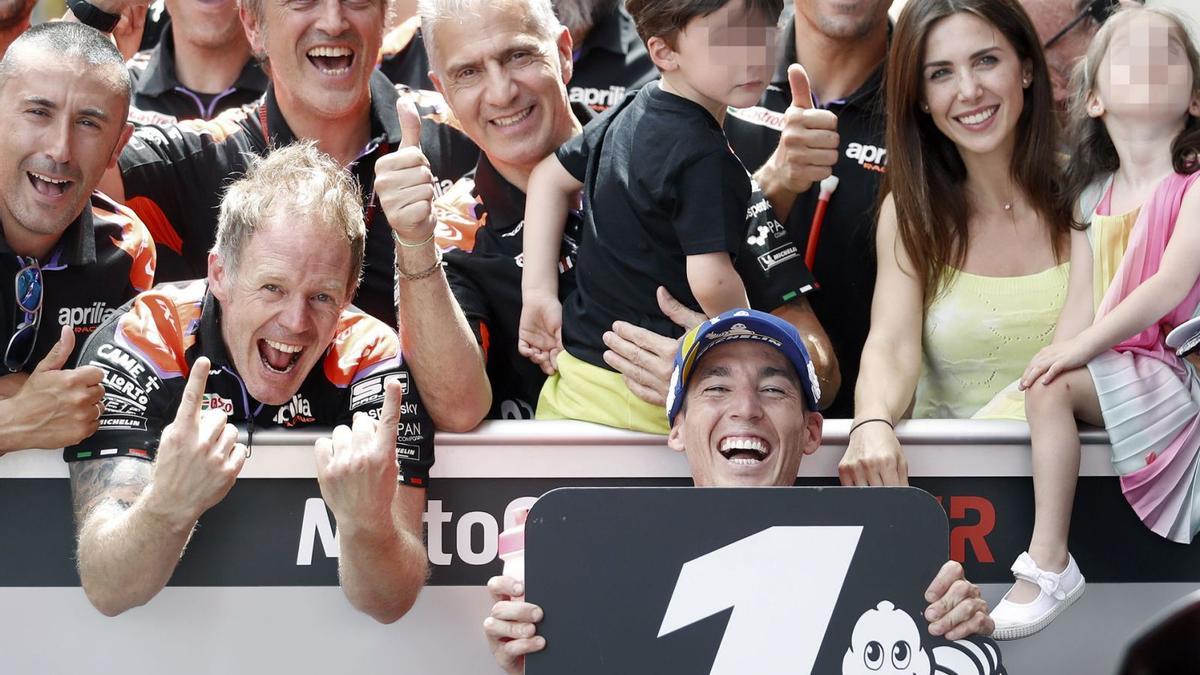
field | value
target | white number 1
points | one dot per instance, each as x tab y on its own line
782	584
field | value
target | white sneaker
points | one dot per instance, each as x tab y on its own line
1058	591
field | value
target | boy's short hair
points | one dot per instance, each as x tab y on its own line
665	18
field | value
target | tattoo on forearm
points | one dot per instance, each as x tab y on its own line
114	483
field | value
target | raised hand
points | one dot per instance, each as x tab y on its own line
808	144
404	181
198	459
357	468
56	407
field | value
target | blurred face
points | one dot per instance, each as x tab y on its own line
744	423
210	24
723	59
844	19
974	84
321	53
505	83
63	124
279	312
1145	73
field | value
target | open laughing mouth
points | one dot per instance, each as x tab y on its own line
332	61
47	185
744	450
279	357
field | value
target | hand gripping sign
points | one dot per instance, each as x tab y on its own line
731	581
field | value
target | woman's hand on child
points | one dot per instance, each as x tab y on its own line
539	337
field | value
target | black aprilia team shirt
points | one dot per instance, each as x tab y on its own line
147	350
660	184
160	98
175	175
103	259
611	61
845	258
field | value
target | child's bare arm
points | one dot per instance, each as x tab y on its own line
1077	311
551	192
715	283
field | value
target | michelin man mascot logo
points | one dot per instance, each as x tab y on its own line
886	641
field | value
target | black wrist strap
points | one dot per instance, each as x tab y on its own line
91	15
871	419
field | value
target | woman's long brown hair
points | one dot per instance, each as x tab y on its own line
926	175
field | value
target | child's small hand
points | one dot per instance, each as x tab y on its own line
539	337
1054	360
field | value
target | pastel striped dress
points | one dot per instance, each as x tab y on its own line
1149	397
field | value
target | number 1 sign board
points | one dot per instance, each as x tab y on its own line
738	581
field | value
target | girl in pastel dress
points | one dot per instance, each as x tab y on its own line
1134	276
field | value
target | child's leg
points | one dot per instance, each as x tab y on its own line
1052	410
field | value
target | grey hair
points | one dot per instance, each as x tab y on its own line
298	180
540	19
65	38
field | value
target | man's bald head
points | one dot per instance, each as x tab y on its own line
62	39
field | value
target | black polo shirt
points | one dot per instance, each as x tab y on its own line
845	259
103	259
175	176
660	184
611	61
159	97
147	349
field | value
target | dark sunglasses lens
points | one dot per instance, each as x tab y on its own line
20	347
1102	9
29	289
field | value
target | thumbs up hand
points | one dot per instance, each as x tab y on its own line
404	182
808	144
56	407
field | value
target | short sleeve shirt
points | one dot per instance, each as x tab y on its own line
660	184
175	175
103	259
147	349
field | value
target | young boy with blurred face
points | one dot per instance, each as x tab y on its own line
668	204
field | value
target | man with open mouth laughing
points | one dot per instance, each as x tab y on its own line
71	255
742	405
320	55
267	341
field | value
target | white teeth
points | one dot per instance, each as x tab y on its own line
512	119
742	443
330	51
47	179
745	461
283	347
979	117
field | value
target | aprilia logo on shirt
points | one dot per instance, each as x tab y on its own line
85	319
870	157
597	99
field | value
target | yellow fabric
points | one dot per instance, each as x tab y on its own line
581	391
1110	238
979	335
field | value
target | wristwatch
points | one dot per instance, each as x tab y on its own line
91	15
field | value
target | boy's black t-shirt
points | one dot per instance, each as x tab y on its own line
660	184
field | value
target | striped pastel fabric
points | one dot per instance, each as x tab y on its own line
1149	397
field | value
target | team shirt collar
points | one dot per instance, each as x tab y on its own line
159	77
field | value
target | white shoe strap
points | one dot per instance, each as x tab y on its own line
1050	582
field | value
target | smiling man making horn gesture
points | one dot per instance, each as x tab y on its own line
267	343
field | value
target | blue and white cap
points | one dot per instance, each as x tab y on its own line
741	324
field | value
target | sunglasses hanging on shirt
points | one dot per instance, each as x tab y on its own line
28	314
